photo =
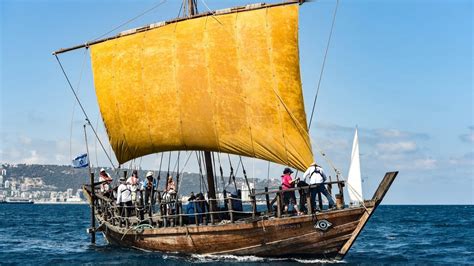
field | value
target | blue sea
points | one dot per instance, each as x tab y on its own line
56	234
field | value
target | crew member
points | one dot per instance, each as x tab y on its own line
316	176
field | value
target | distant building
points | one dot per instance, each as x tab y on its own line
1	180
69	193
7	184
54	196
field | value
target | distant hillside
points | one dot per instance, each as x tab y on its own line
64	176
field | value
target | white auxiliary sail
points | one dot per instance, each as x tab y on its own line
354	178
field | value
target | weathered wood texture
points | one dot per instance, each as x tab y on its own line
376	199
270	237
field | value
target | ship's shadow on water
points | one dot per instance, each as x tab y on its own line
55	234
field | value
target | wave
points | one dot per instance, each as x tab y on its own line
232	258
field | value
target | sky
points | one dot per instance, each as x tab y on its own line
401	71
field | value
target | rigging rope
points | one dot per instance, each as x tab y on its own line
182	172
203	162
201	180
245	173
83	110
324	63
221	171
268	174
176	163
95	142
74	102
177	174
130	20
169	162
161	162
213	13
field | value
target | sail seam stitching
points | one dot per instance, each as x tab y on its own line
210	89
143	91
243	95
178	99
275	85
125	142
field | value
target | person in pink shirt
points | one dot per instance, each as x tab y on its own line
289	196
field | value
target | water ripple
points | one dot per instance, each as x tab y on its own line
55	234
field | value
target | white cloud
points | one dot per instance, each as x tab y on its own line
465	160
426	164
33	158
25	140
397	147
390	133
468	137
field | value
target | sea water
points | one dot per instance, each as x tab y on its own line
56	234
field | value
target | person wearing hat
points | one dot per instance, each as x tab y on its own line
133	182
170	195
149	185
316	177
289	196
105	180
124	198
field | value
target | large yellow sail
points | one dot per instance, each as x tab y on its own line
228	83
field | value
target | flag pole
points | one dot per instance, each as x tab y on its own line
91	230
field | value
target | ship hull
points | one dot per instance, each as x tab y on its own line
328	234
296	235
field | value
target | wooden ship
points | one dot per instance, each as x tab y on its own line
224	81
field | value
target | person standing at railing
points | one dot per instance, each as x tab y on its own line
105	180
124	198
149	185
133	182
316	177
289	196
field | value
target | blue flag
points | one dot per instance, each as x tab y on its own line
80	161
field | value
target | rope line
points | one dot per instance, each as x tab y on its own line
78	86
131	20
324	63
83	110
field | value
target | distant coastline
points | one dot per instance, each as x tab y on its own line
60	203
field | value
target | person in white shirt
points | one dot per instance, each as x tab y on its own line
133	181
124	198
315	176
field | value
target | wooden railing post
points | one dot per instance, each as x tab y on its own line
211	210
279	201
180	211
330	186
141	213
93	199
204	214
267	199
308	201
231	209
164	214
254	203
341	192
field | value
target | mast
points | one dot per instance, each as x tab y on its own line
192	10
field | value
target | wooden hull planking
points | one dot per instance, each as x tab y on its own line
266	237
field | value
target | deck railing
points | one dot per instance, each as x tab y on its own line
168	211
